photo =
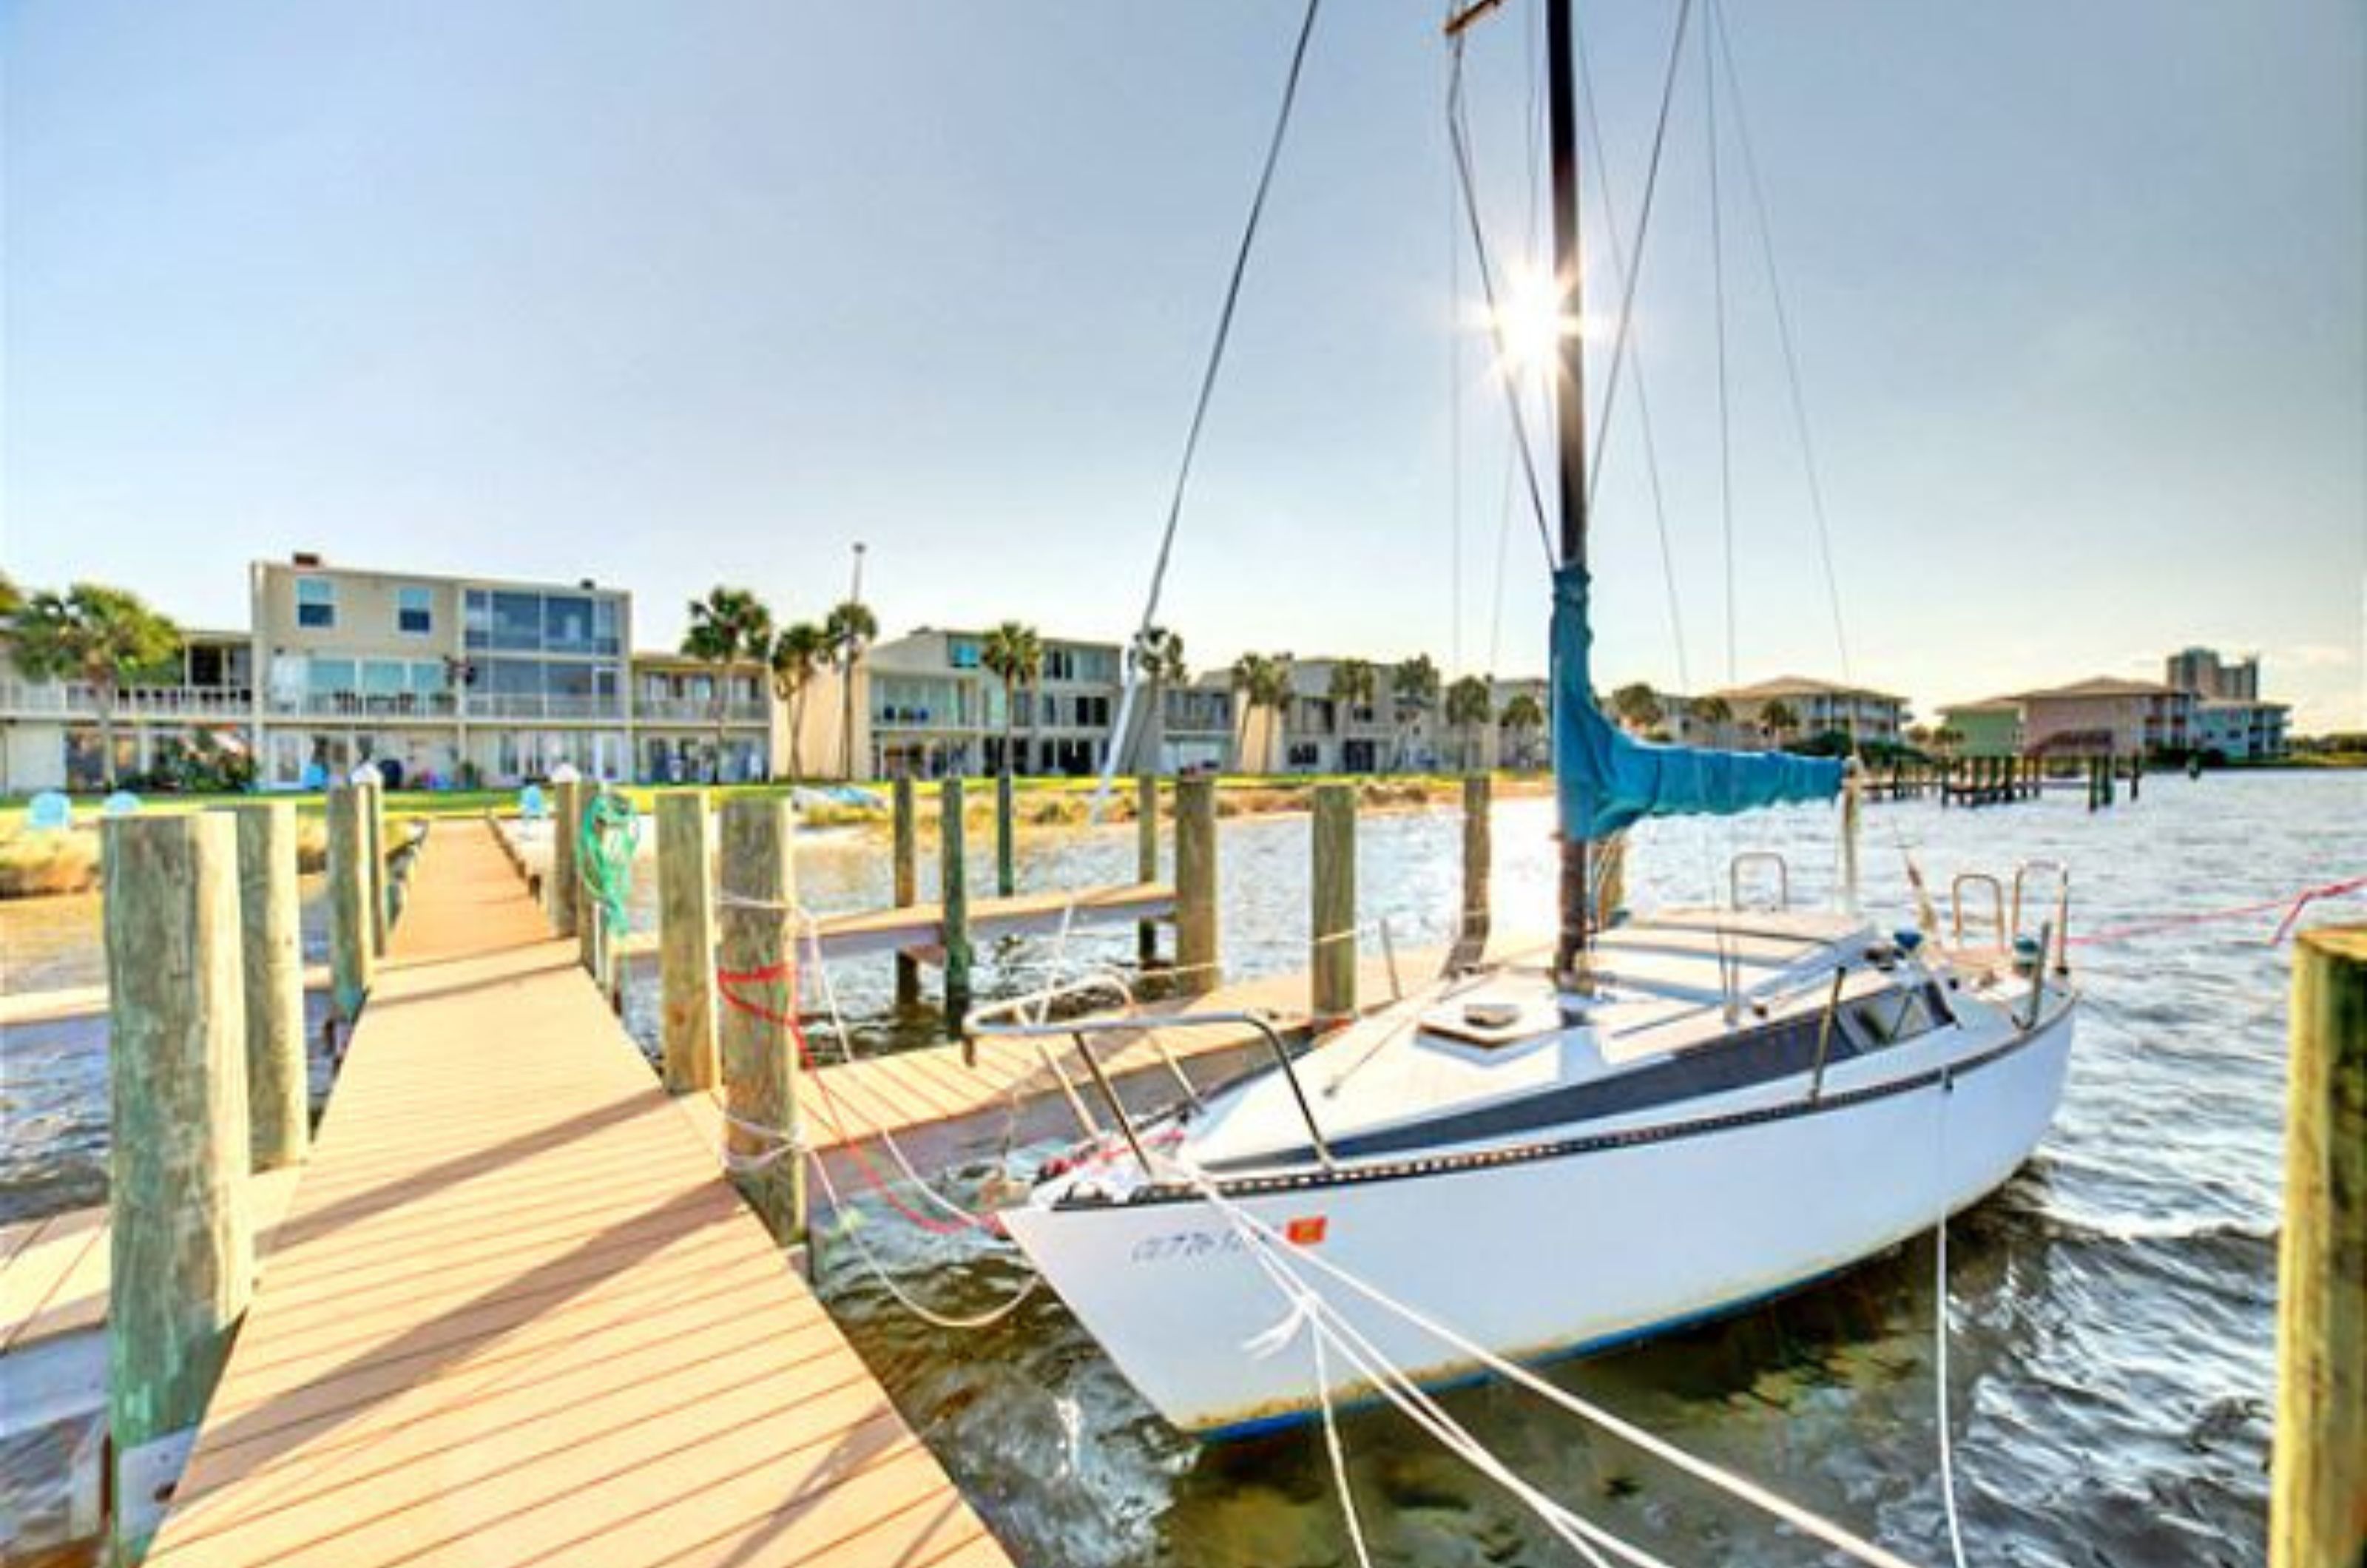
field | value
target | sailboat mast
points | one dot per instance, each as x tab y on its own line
1569	408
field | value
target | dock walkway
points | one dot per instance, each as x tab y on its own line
515	1315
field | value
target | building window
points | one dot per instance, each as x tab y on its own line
414	611
517	622
316	602
961	652
322	676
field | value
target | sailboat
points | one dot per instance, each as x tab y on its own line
1668	1116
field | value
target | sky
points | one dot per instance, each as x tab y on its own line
706	292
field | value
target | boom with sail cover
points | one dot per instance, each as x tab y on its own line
1606	780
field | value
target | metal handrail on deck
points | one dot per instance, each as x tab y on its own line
1956	908
1752	857
1008	1020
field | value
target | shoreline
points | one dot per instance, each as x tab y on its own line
64	863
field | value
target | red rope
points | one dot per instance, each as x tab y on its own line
786	974
2291	904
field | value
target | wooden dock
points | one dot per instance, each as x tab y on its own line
515	1314
62	1002
918	930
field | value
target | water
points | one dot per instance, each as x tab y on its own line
2113	1358
53	1075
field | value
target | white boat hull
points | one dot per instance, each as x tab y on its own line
1548	1254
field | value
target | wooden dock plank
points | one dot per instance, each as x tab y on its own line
515	1315
41	1265
90	1001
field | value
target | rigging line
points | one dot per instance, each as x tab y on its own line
1458	136
1626	317
1718	29
1717	288
1534	122
1732	1484
1940	1337
1209	384
1454	409
1643	229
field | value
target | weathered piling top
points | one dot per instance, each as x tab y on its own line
515	1315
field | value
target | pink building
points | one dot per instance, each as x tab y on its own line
2106	715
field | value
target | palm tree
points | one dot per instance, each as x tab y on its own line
1947	737
728	626
1522	713
1413	687
1777	720
798	655
1013	654
12	598
1468	706
1263	682
1714	713
1158	657
1353	683
102	637
850	630
1638	707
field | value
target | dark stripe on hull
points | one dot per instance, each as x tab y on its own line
1564	1148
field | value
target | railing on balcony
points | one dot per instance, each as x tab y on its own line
690	710
523	705
364	705
76	699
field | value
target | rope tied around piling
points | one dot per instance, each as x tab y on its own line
606	845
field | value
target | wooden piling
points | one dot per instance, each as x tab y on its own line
352	960
908	885
2137	774
1006	849
181	1253
1196	964
279	1091
566	821
1332	960
2317	1488
759	1067
1146	860
953	897
381	899
1479	859
686	940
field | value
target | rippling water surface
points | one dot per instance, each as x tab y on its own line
2111	1362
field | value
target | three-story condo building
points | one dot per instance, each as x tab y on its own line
436	679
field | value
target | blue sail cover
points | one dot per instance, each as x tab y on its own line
1606	779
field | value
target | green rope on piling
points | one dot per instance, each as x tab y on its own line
604	847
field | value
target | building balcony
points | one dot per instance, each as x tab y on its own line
74	699
364	705
689	710
512	705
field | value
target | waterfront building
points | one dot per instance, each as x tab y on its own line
2202	671
2106	715
925	706
1197	731
1992	727
438	681
2241	730
1822	707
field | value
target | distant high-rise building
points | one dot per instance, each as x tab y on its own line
2202	671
